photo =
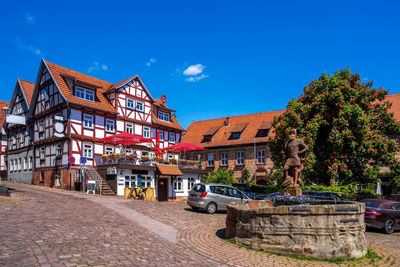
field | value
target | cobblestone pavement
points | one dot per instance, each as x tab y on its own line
49	227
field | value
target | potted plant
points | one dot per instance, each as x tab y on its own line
183	162
145	158
130	156
104	156
158	159
172	161
200	165
192	162
166	162
113	156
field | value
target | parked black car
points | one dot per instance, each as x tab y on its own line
382	214
254	196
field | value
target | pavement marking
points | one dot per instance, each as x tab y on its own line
159	228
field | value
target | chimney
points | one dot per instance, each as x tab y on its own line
226	122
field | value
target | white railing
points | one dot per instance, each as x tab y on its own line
92	174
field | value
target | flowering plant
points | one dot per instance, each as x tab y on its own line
183	162
166	162
346	123
113	156
192	162
104	156
130	156
290	200
173	161
145	158
158	159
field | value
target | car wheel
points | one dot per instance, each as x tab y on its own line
211	208
389	226
195	208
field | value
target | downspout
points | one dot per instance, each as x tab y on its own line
70	144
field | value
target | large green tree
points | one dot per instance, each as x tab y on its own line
347	126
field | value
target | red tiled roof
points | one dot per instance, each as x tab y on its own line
58	72
28	89
173	123
169	169
256	121
395	109
2	105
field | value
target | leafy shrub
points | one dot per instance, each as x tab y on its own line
344	189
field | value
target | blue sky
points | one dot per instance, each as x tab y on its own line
210	58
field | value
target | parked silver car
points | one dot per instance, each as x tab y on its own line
213	197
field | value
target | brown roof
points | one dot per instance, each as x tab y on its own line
2	105
59	73
212	130
196	130
239	127
265	125
169	169
173	123
395	109
28	88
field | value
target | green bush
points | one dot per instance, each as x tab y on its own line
344	189
222	176
368	191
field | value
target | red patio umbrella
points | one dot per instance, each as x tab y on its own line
183	147
125	139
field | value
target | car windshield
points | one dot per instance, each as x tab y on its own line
372	204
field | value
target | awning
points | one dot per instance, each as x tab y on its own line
169	170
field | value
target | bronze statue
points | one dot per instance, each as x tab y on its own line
293	155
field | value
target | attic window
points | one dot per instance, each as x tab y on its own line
206	139
262	133
84	93
234	136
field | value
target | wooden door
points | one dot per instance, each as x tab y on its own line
162	189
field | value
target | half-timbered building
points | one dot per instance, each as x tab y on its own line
3	142
20	135
71	111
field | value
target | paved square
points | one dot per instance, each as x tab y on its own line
49	227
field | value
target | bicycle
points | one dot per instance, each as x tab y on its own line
139	194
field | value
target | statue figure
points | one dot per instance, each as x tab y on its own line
293	154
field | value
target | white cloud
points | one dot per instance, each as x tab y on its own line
29	19
97	66
150	62
194	70
364	79
196	78
27	47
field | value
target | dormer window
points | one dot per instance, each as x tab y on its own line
234	136
262	133
84	93
206	138
163	116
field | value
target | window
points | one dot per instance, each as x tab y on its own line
110	125
19	164
130	103
88	121
41	126
220	190
139	106
163	116
146	132
58	150
42	153
87	151
172	137
11	165
262	133
130	181
86	94
198	157
161	135
234	136
25	164
239	158
261	156
108	150
191	182
206	138
30	162
224	159
178	184
129	128
210	160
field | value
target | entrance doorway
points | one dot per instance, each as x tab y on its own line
162	189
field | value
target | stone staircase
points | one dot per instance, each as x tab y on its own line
101	184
